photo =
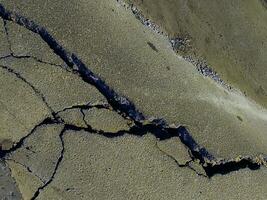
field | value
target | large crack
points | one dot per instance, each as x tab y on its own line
124	107
20	143
210	168
12	54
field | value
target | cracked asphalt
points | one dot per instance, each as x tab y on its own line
90	110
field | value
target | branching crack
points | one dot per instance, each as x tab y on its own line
27	168
13	55
187	164
127	109
36	91
20	143
57	164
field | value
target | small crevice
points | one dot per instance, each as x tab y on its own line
20	143
86	106
40	61
36	91
84	120
26	167
186	165
61	135
13	55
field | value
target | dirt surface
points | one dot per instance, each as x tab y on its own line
105	109
230	36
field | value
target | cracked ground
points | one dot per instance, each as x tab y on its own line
96	105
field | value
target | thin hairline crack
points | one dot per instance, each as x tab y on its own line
12	54
127	109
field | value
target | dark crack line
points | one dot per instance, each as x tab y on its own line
86	106
7	36
20	143
40	61
226	166
5	57
61	135
36	91
13	55
119	103
26	167
84	120
186	165
124	106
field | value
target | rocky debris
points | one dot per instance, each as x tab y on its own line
180	43
204	69
138	14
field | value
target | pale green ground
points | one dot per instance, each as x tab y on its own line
231	36
114	44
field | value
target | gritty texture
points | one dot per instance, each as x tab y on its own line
57	85
4	48
8	190
19	114
40	151
230	36
159	83
26	181
140	172
97	119
175	149
25	43
84	147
